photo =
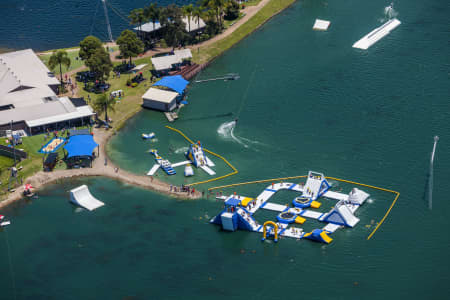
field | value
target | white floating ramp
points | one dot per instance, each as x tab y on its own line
153	169
82	197
208	170
209	162
321	25
376	34
181	163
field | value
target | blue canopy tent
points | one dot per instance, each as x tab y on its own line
176	83
80	146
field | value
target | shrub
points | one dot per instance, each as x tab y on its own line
231	10
204	37
162	43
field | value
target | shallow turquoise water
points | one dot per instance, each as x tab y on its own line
315	104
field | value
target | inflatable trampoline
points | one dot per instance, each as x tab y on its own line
302	201
286	217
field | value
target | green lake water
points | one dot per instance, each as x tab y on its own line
306	100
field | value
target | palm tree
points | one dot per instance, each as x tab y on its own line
187	11
197	13
137	16
60	58
218	5
152	13
102	103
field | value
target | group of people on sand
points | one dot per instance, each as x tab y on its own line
182	188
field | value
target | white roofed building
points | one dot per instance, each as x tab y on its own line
163	64
159	99
28	96
192	26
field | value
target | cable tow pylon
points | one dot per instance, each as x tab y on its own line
108	26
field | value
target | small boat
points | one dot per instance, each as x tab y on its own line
146	136
3	223
188	171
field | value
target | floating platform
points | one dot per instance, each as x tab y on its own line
162	163
153	169
239	210
377	34
82	197
321	25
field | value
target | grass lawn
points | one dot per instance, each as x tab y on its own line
33	163
30	165
209	52
73	62
228	23
251	2
131	103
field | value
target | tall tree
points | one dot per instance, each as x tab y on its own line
137	16
188	11
197	13
152	13
129	44
210	18
88	46
173	27
231	11
218	5
100	64
60	58
102	104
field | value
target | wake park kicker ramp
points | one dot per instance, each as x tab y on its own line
82	197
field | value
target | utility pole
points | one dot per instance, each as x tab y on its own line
108	26
14	143
13	175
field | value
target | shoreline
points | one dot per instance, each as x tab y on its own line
40	179
101	136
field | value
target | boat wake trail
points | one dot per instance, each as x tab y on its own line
389	13
226	131
181	150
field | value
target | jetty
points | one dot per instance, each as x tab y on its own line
231	76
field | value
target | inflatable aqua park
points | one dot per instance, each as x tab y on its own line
238	211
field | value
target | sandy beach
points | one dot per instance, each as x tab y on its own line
101	136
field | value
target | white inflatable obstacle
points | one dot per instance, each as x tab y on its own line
316	185
376	34
342	215
82	197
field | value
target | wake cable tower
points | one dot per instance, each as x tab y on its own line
108	26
